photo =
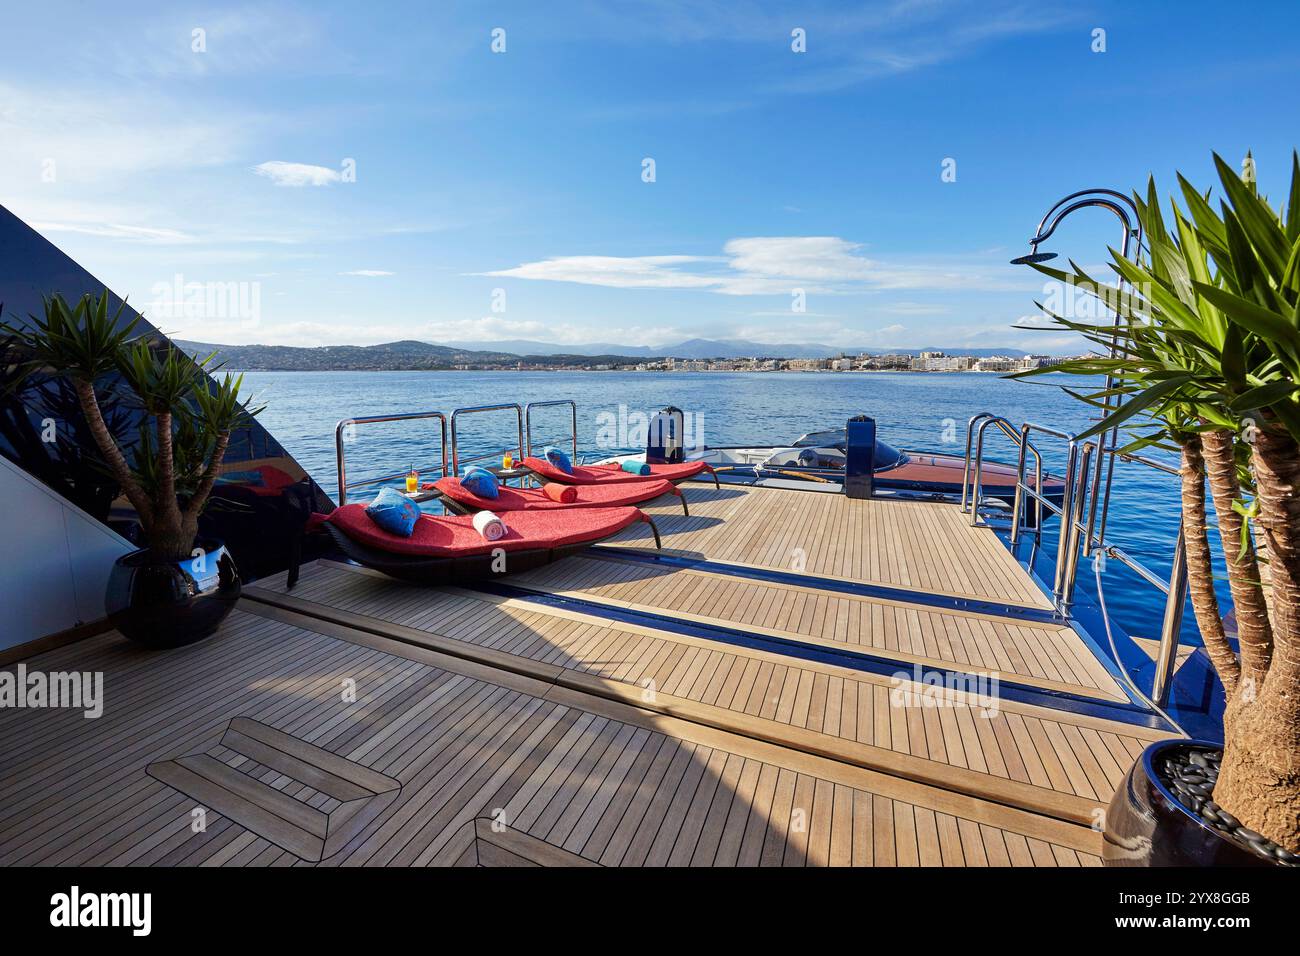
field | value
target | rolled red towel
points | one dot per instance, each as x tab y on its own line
566	494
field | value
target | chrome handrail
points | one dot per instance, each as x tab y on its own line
970	433
341	438
573	422
478	409
1171	625
976	485
1063	584
1077	524
1175	589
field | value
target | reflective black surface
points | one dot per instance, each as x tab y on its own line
172	603
1146	826
43	430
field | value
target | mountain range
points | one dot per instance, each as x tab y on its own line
403	355
417	356
714	348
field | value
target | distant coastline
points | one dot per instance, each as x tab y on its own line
412	356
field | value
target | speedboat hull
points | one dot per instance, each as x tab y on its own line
914	472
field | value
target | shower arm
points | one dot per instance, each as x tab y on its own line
1106	199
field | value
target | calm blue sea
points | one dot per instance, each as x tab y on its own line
923	412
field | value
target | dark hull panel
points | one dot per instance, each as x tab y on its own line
920	473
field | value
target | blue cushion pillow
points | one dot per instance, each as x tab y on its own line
394	512
241	478
558	458
480	482
634	467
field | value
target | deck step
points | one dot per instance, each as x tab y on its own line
1056	804
1065	823
950	601
1044	653
495	846
866	658
273	814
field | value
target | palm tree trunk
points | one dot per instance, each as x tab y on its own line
1200	567
1265	572
168	536
200	497
117	465
1259	781
1254	632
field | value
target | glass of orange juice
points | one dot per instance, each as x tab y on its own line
508	461
412	481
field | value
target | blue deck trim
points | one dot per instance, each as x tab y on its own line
1085	618
857	588
1196	698
1127	713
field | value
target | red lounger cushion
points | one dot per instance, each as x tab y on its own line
608	495
613	474
452	537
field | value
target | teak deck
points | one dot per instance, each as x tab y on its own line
927	546
357	720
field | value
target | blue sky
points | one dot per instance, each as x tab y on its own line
522	170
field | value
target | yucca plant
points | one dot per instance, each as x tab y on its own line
186	417
1207	354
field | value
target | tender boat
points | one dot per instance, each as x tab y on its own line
819	457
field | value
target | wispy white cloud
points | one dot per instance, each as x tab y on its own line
619	272
238	40
847	44
114	230
495	328
763	265
913	308
297	174
58	137
1028	332
911	36
306	334
367	272
1035	321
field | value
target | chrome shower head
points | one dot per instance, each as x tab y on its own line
1033	257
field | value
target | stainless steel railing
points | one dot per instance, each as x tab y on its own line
573	423
457	460
986	419
1083	522
345	431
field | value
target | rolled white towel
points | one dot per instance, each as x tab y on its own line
489	526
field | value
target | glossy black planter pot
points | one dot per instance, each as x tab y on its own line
1147	826
162	604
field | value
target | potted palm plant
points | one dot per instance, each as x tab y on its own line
180	587
1205	364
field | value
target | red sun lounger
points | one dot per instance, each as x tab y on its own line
448	549
613	474
461	500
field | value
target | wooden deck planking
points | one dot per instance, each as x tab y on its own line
605	782
763	692
1051	653
922	545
